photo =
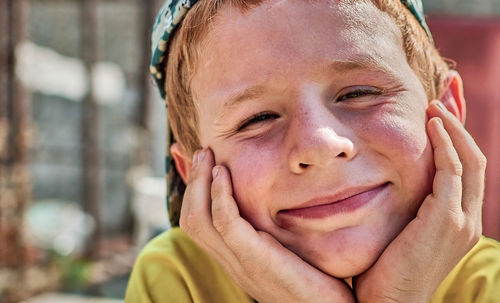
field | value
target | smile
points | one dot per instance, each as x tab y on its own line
327	207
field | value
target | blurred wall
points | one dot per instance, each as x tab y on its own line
463	7
56	152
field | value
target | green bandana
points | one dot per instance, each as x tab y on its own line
169	17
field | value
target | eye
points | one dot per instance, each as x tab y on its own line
356	92
261	117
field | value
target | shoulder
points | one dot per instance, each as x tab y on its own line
172	247
173	268
168	253
476	278
158	270
484	257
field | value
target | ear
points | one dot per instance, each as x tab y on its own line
183	164
453	95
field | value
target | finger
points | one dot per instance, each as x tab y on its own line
240	236
196	219
246	243
225	214
472	159
196	201
236	233
447	186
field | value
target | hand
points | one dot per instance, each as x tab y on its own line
446	227
254	260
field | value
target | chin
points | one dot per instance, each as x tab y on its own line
349	267
345	256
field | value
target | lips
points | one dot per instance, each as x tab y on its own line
343	203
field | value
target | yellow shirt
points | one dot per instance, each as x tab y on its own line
172	268
476	278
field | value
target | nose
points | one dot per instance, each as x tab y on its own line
317	141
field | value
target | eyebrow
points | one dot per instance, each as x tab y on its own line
250	93
357	63
258	90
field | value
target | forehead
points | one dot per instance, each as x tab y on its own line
285	37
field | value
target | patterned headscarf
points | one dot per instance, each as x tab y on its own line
168	19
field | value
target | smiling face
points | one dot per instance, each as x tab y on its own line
321	122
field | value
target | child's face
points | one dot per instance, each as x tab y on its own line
307	104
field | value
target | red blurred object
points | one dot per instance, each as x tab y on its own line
475	45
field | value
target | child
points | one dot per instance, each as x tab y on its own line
325	158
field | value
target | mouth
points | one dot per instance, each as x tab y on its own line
339	204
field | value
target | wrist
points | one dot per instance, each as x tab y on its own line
391	299
369	294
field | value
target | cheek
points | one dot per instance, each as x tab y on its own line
400	137
401	144
253	173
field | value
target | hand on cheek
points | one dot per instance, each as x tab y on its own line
446	227
255	260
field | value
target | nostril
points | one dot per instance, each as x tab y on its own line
303	165
342	154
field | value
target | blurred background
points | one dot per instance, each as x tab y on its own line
82	137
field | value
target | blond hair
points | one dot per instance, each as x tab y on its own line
184	50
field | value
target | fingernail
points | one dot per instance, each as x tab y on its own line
441	106
439	121
195	157
201	155
215	171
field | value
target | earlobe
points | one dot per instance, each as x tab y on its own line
183	164
453	95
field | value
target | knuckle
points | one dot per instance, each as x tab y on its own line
475	236
219	218
217	208
460	228
219	225
247	262
192	176
467	231
479	228
455	223
188	223
252	271
222	226
457	168
475	231
215	190
470	235
481	161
